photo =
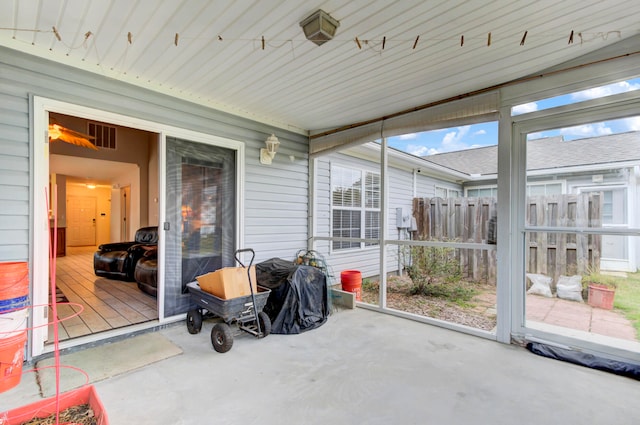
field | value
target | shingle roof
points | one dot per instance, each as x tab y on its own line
548	153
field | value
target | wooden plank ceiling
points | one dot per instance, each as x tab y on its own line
211	52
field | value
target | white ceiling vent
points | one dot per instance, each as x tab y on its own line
105	135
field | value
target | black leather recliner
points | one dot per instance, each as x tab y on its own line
118	260
146	272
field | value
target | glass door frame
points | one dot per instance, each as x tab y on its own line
597	110
39	222
207	139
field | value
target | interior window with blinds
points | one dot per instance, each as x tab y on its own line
355	196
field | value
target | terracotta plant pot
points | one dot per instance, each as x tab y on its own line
47	407
601	296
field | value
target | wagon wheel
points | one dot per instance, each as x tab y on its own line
265	323
194	321
221	337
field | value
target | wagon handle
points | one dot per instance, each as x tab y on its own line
253	255
253	295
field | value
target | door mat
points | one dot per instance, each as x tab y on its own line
104	361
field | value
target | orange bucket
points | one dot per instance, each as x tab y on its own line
352	282
14	280
11	358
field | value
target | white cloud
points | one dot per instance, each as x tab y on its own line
596	92
453	139
421	150
408	136
631	124
479	133
524	108
588	130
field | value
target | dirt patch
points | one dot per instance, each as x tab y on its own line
80	415
479	313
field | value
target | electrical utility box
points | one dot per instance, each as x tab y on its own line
403	218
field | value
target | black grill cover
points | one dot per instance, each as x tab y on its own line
298	299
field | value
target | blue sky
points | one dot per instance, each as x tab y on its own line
486	134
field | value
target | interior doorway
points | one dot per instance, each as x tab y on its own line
147	201
103	197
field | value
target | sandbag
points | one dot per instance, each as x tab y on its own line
541	285
570	288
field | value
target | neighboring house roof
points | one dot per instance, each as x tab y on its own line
548	153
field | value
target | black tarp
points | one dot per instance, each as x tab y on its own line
298	299
631	370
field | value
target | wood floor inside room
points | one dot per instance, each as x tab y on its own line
108	304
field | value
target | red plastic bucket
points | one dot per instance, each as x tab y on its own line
352	282
11	358
14	280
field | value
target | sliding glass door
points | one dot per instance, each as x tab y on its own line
200	226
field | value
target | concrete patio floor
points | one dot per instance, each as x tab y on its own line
361	367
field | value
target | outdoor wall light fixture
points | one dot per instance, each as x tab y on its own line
319	27
268	153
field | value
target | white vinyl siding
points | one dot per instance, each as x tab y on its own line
276	197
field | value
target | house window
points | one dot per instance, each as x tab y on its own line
104	135
533	189
482	192
355	203
443	192
544	189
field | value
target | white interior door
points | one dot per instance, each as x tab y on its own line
81	221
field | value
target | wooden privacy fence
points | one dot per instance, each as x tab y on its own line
459	220
552	254
555	254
